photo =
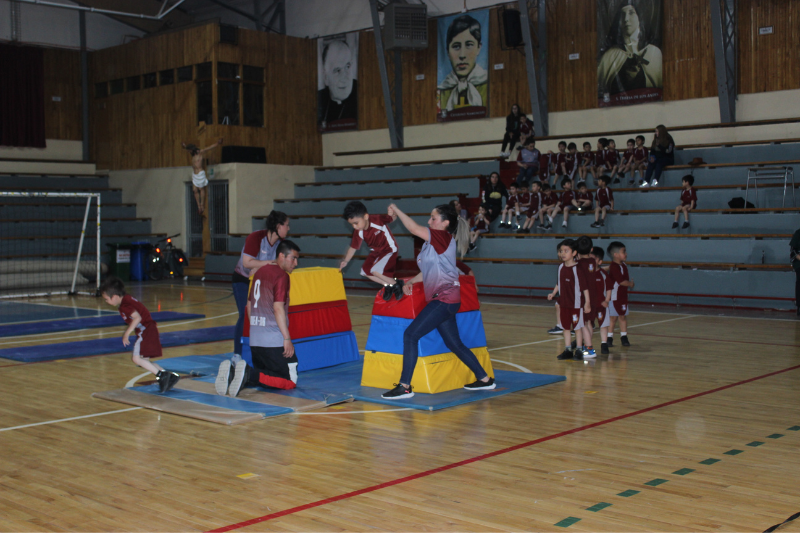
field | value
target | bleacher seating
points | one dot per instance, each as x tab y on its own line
727	257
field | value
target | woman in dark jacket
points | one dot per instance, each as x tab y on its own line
493	195
512	130
662	154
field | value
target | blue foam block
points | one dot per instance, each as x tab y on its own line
52	326
225	402
67	350
386	334
317	352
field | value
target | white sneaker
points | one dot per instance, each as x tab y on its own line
563	224
238	379
223	377
644	185
653	183
502	154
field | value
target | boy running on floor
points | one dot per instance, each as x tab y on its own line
620	279
138	319
380	263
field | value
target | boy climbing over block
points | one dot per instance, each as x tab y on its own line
138	319
380	263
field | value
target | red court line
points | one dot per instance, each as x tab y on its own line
489	455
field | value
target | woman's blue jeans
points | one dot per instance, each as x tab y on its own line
441	317
240	291
655	168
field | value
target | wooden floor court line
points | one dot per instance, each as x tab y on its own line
489	455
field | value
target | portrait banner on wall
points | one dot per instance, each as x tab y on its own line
337	83
629	67
462	89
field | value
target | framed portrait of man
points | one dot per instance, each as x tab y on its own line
629	65
337	83
462	90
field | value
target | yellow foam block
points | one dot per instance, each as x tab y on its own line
435	373
315	285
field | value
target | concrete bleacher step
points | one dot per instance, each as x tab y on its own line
426	170
374	204
59	211
55	182
45	244
71	227
46	166
788	149
465	185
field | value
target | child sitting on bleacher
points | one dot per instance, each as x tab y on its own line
570	164
628	162
138	319
583	200
547	164
640	156
688	201
549	203
480	225
586	158
566	204
604	199
534	208
598	164
511	208
561	158
612	160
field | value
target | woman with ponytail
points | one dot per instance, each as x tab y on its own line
259	250
445	233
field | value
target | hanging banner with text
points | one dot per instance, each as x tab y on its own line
629	69
462	90
337	86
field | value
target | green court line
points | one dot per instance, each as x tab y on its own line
774	436
683	471
656	482
567	521
754	443
628	493
793	428
709	461
598	507
733	452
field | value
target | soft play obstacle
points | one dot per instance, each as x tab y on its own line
89	322
319	320
437	369
68	350
432	374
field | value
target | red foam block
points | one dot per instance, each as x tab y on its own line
410	306
313	320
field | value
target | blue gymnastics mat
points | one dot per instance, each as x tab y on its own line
345	380
67	350
50	325
224	402
16	312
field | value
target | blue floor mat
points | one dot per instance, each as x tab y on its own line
16	312
224	402
345	380
67	350
50	325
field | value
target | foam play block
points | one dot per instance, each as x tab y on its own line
317	352
436	373
316	284
386	334
313	320
411	306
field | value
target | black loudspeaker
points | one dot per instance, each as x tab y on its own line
228	34
243	154
512	28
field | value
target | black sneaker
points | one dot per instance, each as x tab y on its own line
604	348
555	331
602	223
224	377
398	289
481	385
595	225
398	393
624	340
610	342
388	292
616	180
163	380
577	355
520	231
566	354
674	225
472	246
241	375
574	344
172	378
685	225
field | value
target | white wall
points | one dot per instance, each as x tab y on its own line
760	106
54	149
59	27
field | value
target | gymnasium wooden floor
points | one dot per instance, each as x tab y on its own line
696	427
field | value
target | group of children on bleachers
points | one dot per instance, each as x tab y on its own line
589	292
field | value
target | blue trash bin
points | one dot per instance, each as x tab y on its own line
139	253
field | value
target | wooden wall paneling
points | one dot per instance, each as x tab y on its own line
371	111
419	96
571	28
62	79
688	50
768	62
509	85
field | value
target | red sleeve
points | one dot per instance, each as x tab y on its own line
694	196
126	307
440	240
609	283
615	273
356	241
282	288
385	219
610	194
253	243
583	280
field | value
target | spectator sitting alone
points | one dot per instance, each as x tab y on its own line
688	201
662	154
492	197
